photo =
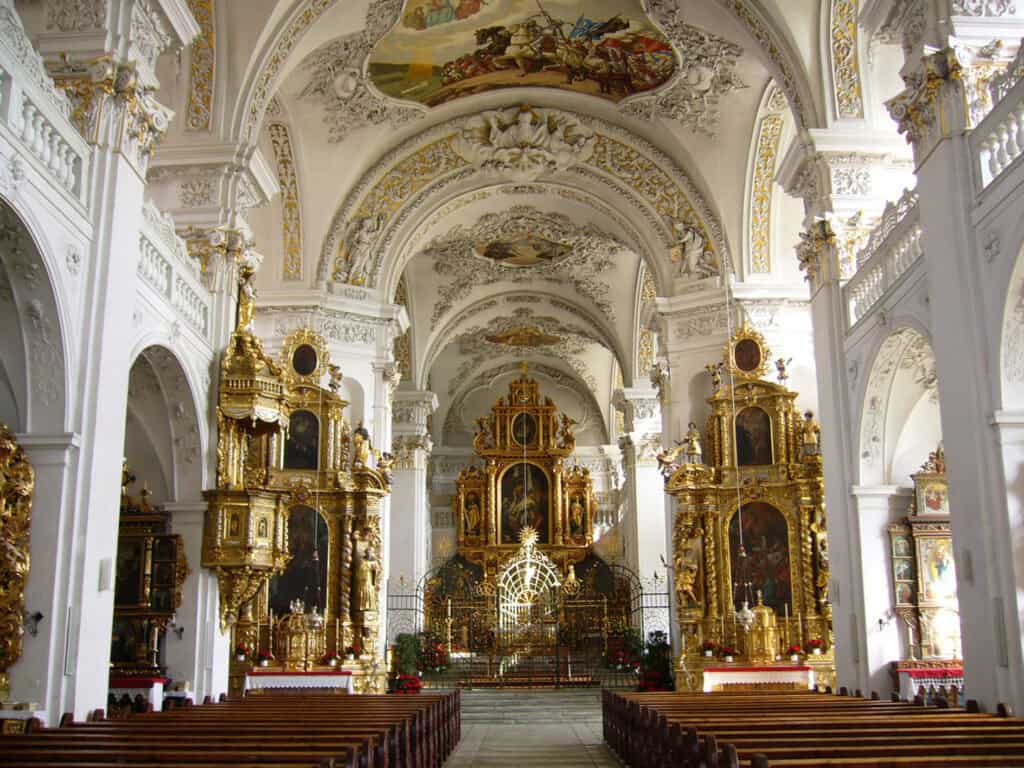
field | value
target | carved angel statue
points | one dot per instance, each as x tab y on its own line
780	366
565	436
359	241
384	464
336	377
667	464
686	578
811	435
690	252
484	437
716	375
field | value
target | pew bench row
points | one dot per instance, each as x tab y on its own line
790	729
309	730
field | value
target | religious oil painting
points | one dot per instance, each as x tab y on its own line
766	565
753	437
524	502
524	429
302	446
932	497
128	584
938	573
442	50
305	577
525	251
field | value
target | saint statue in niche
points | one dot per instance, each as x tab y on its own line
471	513
577	517
366	582
524	502
753	437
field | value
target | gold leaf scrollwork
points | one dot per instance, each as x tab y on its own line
17	484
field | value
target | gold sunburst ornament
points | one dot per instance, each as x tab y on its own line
528	537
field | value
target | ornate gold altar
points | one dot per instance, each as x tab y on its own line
523	444
923	571
293	526
17	484
151	570
749	545
524	584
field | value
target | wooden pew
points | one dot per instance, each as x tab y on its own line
801	729
289	730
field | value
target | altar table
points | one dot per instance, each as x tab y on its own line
262	679
734	677
152	688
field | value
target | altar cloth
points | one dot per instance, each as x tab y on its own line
258	679
724	677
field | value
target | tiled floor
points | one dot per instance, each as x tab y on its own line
526	729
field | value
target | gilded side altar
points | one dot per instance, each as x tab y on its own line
749	542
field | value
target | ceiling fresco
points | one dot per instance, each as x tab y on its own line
443	50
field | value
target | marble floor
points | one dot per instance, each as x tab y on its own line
531	728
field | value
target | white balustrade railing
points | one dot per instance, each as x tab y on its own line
166	266
999	139
36	113
892	248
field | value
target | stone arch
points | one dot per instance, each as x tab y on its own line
428	169
900	416
33	351
164	436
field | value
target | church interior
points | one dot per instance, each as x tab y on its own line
630	381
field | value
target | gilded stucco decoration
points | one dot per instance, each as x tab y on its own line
624	165
706	74
769	137
849	101
17	484
199	111
456	257
291	210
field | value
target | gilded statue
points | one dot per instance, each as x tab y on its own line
336	378
691	444
716	375
576	516
361	447
366	582
686	581
811	435
780	367
565	436
246	295
484	438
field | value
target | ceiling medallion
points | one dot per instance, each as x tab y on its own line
443	50
526	250
524	336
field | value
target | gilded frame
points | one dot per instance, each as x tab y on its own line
551	508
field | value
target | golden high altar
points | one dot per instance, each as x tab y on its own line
749	543
293	526
524	586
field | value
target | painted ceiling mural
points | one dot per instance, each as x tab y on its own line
443	50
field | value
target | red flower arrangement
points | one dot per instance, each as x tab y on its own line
264	657
353	650
435	658
815	643
408	684
727	650
709	645
794	650
241	651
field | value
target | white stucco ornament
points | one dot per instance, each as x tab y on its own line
524	143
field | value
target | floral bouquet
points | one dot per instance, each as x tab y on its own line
330	659
794	650
726	651
352	651
709	647
408	684
264	657
241	652
815	645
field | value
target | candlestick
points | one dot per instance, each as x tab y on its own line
337	636
800	621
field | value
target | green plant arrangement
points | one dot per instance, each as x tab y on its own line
407	654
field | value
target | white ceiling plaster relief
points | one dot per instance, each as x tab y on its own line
573	343
457	257
339	84
581	405
707	72
523	143
408	177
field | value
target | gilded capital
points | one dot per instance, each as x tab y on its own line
933	102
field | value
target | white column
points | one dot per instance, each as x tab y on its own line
201	654
385	379
121	119
644	493
877	507
39	674
983	538
410	499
